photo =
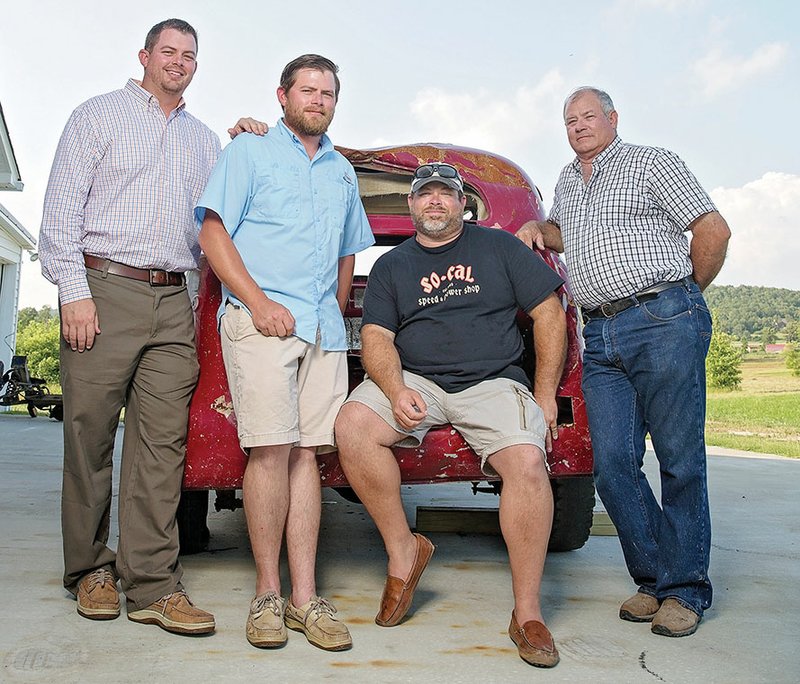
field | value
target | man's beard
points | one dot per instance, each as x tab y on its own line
300	122
436	228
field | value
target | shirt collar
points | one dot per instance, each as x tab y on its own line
325	144
603	157
134	87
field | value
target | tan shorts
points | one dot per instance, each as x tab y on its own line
284	390
491	415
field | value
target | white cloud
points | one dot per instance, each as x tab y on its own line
763	217
717	72
484	120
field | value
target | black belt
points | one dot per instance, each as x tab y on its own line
148	275
610	309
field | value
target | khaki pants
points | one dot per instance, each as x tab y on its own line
144	360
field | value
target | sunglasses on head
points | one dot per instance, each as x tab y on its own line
441	170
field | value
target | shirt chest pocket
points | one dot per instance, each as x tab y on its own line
332	198
276	192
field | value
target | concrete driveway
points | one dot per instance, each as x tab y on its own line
457	632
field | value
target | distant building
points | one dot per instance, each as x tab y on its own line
774	348
14	242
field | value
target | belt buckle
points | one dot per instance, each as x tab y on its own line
154	277
603	311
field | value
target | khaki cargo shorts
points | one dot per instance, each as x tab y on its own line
284	390
491	415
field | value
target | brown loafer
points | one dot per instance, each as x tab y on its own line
640	607
534	642
673	619
397	594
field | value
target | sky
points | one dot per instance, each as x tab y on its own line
716	81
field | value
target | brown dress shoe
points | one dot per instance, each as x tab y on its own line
534	642
397	594
640	607
97	595
673	619
175	613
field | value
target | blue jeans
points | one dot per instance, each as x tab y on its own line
644	372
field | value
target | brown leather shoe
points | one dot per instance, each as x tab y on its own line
98	598
397	594
175	613
640	607
534	642
316	619
673	619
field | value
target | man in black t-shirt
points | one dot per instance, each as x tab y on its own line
440	345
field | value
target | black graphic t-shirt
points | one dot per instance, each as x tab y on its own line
453	308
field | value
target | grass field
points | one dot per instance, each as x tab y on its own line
763	416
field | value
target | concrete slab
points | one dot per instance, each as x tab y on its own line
458	630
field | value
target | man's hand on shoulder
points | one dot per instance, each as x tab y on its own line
541	234
408	408
248	124
79	324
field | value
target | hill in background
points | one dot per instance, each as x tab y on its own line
745	311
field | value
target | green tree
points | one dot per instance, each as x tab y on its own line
39	341
724	362
768	336
792	331
793	359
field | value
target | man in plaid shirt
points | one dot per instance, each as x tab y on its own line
117	237
620	215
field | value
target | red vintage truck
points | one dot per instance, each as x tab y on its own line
498	193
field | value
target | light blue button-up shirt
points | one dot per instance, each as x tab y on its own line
291	218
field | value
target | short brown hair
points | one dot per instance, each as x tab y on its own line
289	75
178	24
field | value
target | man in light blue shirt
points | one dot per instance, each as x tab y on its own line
281	222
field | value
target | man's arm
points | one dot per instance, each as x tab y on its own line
542	234
60	239
382	363
269	317
710	235
550	344
347	265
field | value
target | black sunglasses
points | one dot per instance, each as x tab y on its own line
441	170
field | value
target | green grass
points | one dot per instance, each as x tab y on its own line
763	416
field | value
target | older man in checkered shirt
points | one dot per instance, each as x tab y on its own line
621	215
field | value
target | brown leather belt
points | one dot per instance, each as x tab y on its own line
147	275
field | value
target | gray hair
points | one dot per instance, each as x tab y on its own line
605	99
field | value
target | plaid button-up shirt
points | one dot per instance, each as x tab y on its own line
624	230
123	186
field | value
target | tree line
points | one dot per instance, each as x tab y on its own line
757	314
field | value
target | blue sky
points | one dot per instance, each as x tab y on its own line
716	81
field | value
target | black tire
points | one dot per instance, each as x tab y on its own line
57	412
192	516
573	511
31	410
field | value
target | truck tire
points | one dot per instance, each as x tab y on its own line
192	517
573	511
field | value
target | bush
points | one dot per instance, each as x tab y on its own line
793	359
723	363
39	341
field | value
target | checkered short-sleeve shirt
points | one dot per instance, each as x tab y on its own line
624	230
